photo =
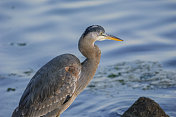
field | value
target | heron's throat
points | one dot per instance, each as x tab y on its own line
89	49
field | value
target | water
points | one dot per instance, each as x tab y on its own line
33	32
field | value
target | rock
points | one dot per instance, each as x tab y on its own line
145	107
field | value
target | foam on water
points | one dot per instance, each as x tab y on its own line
139	74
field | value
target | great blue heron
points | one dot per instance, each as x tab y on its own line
56	85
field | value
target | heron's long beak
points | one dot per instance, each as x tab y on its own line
110	37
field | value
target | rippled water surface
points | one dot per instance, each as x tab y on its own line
33	32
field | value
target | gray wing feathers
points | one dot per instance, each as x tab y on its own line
50	86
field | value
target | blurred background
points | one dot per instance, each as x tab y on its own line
33	32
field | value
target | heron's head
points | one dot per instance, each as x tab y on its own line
97	33
91	34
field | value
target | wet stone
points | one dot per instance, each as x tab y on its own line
145	107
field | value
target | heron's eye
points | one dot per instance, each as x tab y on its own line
101	33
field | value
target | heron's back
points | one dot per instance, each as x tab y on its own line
49	79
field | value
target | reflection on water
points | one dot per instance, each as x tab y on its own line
50	28
33	32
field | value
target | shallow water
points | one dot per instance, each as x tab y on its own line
33	32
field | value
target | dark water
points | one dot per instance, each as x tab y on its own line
33	32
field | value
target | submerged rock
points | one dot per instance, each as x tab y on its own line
145	107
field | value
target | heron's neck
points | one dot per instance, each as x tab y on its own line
88	70
88	48
89	66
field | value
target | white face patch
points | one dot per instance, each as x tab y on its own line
100	38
